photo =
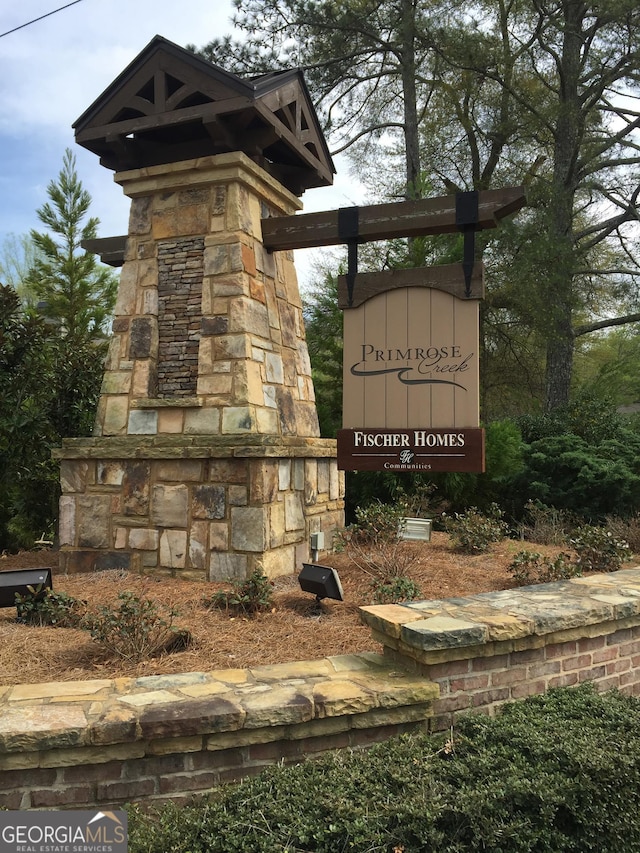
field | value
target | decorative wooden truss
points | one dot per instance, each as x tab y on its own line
170	105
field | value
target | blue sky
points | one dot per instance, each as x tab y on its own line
54	69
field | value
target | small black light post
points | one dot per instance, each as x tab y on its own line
322	581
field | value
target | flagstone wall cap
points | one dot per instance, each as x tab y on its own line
508	614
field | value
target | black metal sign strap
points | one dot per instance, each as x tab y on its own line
467	221
348	228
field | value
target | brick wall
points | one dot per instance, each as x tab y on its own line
484	683
487	649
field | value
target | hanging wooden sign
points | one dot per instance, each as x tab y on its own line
411	374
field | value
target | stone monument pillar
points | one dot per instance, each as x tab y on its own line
206	460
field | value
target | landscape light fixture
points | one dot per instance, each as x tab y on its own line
20	581
322	581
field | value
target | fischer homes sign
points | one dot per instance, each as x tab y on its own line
411	450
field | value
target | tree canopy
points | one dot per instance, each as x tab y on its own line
454	95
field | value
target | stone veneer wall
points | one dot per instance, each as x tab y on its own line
105	743
180	273
206	460
188	507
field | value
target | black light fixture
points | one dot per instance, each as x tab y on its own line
19	581
322	581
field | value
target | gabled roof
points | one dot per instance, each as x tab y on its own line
170	105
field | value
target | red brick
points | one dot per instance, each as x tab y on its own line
537	670
155	765
489	697
215	759
608	653
588	644
567	680
452	703
529	688
472	682
125	792
496	662
608	683
273	751
617	666
578	662
26	778
92	772
630	677
592	674
52	797
635	661
560	650
364	737
11	800
444	670
509	676
175	783
527	656
621	636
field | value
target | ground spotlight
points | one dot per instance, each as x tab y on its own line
322	581
22	581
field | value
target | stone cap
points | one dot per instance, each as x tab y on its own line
194	447
87	715
459	626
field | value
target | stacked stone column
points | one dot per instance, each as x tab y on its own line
206	459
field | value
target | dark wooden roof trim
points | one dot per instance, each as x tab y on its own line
143	118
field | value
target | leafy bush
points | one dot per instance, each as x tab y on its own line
599	550
251	596
591	481
558	773
395	590
135	630
46	607
530	567
373	541
473	531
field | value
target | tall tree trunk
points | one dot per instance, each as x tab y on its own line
408	65
560	272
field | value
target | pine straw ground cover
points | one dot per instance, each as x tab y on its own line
291	631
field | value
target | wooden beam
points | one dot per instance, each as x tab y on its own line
446	277
387	221
110	249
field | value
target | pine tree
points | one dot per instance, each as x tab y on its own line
78	293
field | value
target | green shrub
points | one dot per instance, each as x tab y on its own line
135	630
558	773
473	531
46	607
394	590
599	550
531	567
251	596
